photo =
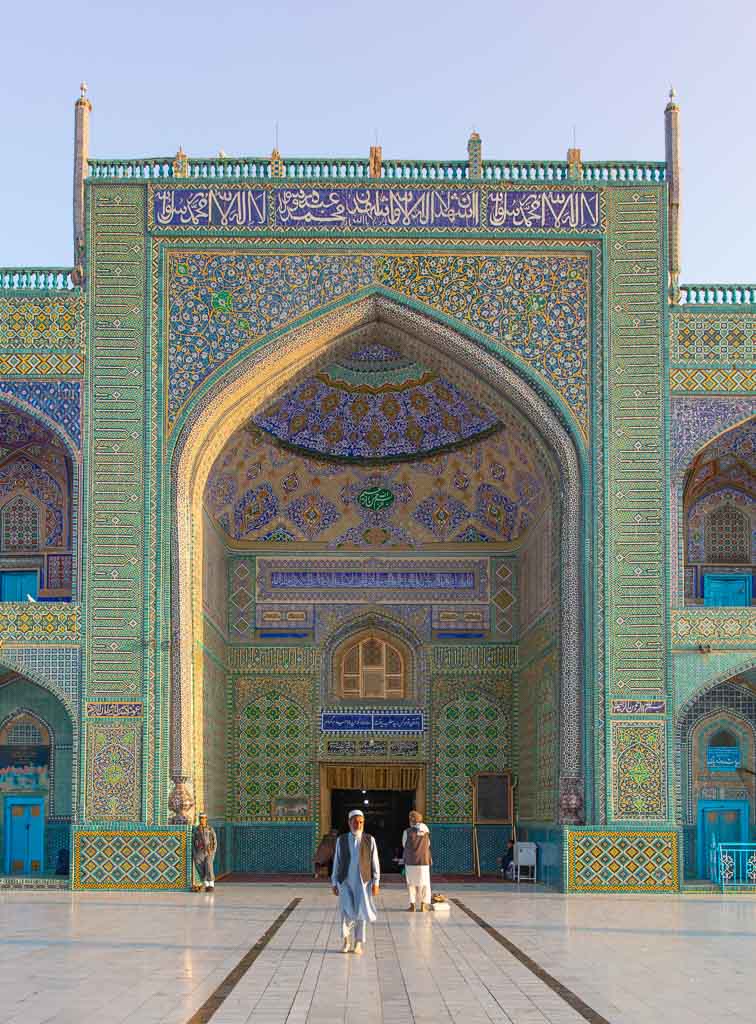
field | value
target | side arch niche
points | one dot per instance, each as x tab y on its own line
249	404
38	760
721	715
715	493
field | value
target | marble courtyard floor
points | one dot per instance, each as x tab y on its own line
167	957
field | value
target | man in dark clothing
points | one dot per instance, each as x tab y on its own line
204	845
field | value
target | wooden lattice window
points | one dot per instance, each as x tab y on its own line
372	667
20	525
24	734
727	535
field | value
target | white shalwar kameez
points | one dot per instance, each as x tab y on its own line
417	876
355	895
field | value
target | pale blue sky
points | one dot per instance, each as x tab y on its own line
218	75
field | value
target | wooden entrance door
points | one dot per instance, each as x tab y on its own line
24	835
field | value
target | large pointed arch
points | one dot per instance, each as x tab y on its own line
491	375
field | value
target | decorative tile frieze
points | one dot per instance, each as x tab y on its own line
622	861
717	627
275	660
474	658
40	622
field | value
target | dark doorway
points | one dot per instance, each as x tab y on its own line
386	812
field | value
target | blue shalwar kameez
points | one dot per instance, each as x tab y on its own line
355	895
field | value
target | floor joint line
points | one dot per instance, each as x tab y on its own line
235	975
571	998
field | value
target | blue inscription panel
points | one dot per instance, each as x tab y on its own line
723	759
372	721
365	579
377	207
539	209
210	207
395	207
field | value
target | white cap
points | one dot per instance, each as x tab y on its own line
353	813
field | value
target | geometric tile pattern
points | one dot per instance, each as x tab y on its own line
281	847
635	465
138	859
115	658
40	622
59	666
732	381
712	337
503	597
538	737
471	734
42	364
622	861
721	627
638	770
42	321
274	752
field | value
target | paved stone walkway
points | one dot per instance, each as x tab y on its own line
156	959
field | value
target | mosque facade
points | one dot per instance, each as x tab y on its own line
408	483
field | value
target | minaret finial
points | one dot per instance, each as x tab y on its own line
674	192
474	156
82	110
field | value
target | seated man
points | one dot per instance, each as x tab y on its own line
507	861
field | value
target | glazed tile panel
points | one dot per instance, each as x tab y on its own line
537	306
607	861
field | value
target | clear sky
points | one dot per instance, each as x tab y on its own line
218	75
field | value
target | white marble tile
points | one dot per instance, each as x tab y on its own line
123	958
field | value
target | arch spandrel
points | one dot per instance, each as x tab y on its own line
246	387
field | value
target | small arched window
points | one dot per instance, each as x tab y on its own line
24	734
373	667
20	525
727	534
723	738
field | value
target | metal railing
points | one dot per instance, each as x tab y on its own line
38	279
717	294
735	866
228	168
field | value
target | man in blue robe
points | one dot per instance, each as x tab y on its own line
356	880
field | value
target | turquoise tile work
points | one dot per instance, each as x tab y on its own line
285	848
452	849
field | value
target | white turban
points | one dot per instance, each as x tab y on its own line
353	813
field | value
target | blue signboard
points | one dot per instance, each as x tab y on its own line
372	721
723	759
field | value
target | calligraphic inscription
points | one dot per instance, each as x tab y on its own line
377	207
375	499
537	209
639	707
372	748
114	709
210	207
723	759
366	580
372	721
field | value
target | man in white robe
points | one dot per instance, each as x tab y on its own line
417	862
356	878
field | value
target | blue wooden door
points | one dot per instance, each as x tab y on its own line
18	586
719	821
24	835
721	590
